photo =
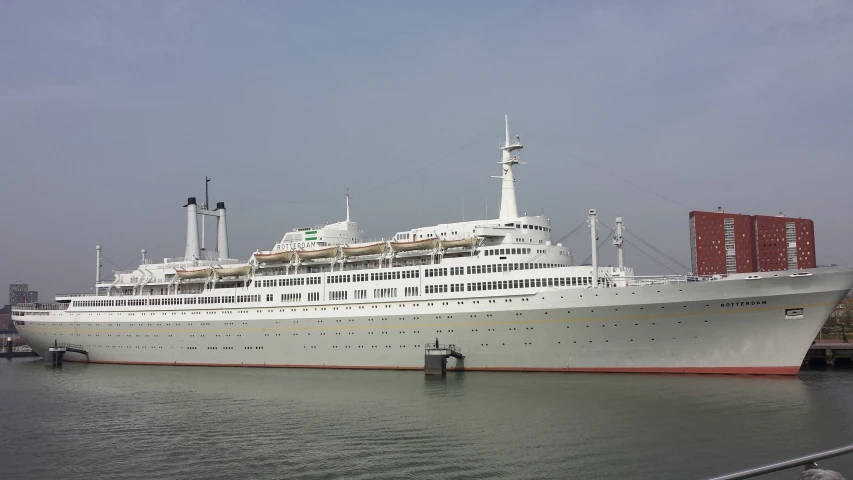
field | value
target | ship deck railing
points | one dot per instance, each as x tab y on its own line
208	261
634	281
638	281
40	306
449	350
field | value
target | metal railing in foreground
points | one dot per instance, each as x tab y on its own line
807	461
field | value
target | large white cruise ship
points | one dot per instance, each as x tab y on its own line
500	290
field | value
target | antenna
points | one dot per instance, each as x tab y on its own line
617	240
594	235
463	208
506	124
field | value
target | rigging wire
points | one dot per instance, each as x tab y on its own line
648	255
650	246
564	237
439	160
600	245
574	231
138	259
476	138
686	269
110	262
607	172
643	251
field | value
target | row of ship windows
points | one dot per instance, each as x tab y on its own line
508	251
602	325
360	294
167	301
377	293
536	282
406	274
288	282
457	287
432	272
364	277
219	347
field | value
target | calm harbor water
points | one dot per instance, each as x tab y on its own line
110	421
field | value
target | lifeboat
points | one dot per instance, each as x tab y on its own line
426	244
232	270
329	252
461	242
201	272
274	257
359	250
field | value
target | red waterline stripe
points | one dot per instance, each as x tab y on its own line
690	370
693	370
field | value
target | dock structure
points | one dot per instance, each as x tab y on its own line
435	357
53	355
829	354
8	350
18	354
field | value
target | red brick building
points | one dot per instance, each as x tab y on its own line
723	243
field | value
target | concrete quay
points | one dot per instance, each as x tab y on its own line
829	353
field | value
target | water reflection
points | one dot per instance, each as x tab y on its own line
168	422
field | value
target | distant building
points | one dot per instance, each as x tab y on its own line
21	293
726	243
18	293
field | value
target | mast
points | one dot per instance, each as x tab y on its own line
509	208
594	233
617	240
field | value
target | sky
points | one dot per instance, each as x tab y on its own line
113	112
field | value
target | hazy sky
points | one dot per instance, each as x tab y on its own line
113	112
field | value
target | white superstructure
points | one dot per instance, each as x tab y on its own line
499	289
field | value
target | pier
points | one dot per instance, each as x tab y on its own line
829	354
53	355
435	357
8	350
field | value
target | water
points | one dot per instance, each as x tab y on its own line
111	421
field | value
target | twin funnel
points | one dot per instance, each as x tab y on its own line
192	251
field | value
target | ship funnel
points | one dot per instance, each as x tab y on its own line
97	266
221	231
192	253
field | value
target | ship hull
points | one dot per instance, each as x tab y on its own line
733	326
